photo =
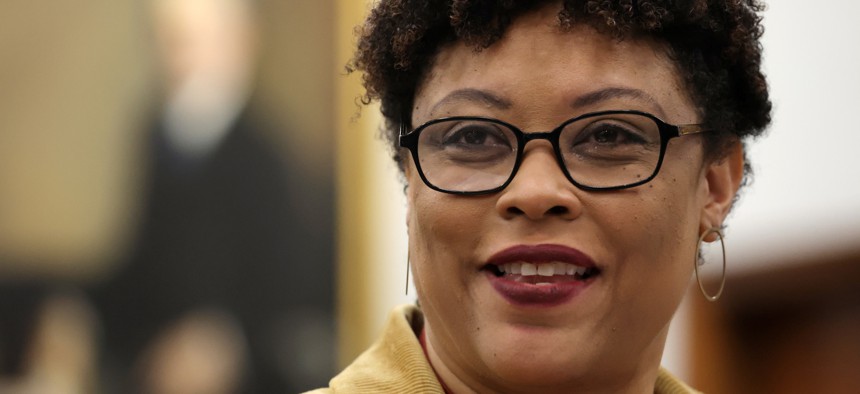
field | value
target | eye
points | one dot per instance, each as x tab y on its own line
606	135
467	142
619	140
474	135
468	135
611	134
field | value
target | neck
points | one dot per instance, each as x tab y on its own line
639	379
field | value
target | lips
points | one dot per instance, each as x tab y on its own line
540	274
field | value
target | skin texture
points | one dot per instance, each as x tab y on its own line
610	337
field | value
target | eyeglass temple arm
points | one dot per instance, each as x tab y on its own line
403	127
685	129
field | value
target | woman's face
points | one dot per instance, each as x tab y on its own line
495	333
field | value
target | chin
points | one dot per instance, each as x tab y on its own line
538	359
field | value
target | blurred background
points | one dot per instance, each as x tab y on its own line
167	196
192	201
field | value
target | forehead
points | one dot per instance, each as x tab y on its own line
539	69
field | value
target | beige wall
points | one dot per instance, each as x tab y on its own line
371	207
297	77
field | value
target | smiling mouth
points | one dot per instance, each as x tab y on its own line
542	273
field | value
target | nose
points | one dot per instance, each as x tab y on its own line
539	189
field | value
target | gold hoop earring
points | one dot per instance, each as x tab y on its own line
696	262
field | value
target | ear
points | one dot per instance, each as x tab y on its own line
407	171
408	217
722	179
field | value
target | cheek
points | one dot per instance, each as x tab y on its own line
651	238
441	223
433	221
443	230
669	208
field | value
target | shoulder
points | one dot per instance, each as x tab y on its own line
669	384
394	364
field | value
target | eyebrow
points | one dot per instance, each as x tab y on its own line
473	95
607	94
591	98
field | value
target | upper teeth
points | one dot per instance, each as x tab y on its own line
542	269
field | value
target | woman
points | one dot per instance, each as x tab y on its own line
564	161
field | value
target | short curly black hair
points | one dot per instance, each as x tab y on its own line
713	43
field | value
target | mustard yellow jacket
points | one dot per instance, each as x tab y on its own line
396	364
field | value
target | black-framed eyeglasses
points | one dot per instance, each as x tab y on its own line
607	150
